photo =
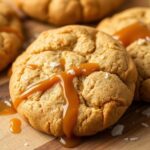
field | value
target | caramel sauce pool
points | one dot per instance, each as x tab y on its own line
6	108
70	142
70	95
15	126
132	33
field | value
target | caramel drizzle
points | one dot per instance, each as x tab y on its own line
33	66
70	93
11	30
6	109
132	33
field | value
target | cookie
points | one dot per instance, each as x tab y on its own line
10	35
73	81
62	12
135	23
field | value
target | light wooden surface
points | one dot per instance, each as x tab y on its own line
30	139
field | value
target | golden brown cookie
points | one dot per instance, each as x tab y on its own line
62	12
139	48
98	70
10	35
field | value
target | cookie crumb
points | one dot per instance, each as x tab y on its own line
117	130
72	72
146	112
144	124
54	64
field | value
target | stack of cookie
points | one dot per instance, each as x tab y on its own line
77	80
135	23
11	37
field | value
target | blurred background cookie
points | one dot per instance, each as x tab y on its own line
11	37
132	28
62	12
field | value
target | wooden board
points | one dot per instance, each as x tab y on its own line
135	134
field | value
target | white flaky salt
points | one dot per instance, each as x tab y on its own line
144	124
26	144
106	75
102	57
116	37
7	103
117	130
133	138
54	64
71	71
141	41
146	112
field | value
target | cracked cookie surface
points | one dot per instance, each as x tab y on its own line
104	95
62	12
139	49
10	35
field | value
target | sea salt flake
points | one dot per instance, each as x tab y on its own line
146	112
117	130
54	64
116	37
133	138
141	41
148	38
72	72
144	124
106	75
102	57
26	144
7	103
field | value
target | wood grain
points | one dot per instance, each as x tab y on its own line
30	139
9	141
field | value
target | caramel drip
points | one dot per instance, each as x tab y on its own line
72	104
11	30
6	109
132	33
70	142
70	93
15	125
33	66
